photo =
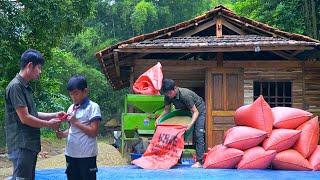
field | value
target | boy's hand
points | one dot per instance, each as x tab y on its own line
72	119
60	114
54	124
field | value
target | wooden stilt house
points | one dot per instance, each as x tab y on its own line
228	60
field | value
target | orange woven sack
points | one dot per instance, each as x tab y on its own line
309	137
222	157
256	158
243	137
150	82
291	160
165	148
289	118
315	159
281	139
257	115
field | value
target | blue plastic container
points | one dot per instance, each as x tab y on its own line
135	156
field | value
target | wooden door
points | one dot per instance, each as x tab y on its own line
224	94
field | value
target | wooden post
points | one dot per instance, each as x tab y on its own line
209	119
130	108
304	105
116	63
219	27
219	59
131	79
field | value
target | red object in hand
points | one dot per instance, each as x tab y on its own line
63	117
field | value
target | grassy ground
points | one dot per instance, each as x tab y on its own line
53	156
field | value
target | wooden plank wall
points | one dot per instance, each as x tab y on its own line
271	71
248	91
263	74
312	87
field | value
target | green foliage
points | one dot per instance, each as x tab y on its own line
39	25
226	3
144	12
124	19
181	10
286	15
48	22
85	44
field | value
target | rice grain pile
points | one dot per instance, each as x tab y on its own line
107	156
177	120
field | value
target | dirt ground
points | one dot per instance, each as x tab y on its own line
52	156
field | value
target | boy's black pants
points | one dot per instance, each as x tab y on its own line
81	168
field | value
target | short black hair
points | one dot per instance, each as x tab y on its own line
77	82
167	85
31	55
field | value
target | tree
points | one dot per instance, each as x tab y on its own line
311	16
34	24
144	17
295	16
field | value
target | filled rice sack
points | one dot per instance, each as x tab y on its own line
243	137
289	118
309	137
222	157
291	160
281	139
256	158
257	115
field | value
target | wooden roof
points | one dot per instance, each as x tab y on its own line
216	44
195	35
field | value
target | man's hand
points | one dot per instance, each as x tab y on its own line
156	123
189	126
54	124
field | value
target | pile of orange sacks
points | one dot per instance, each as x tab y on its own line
278	138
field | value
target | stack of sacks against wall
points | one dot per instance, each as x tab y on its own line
282	137
254	124
288	124
296	158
